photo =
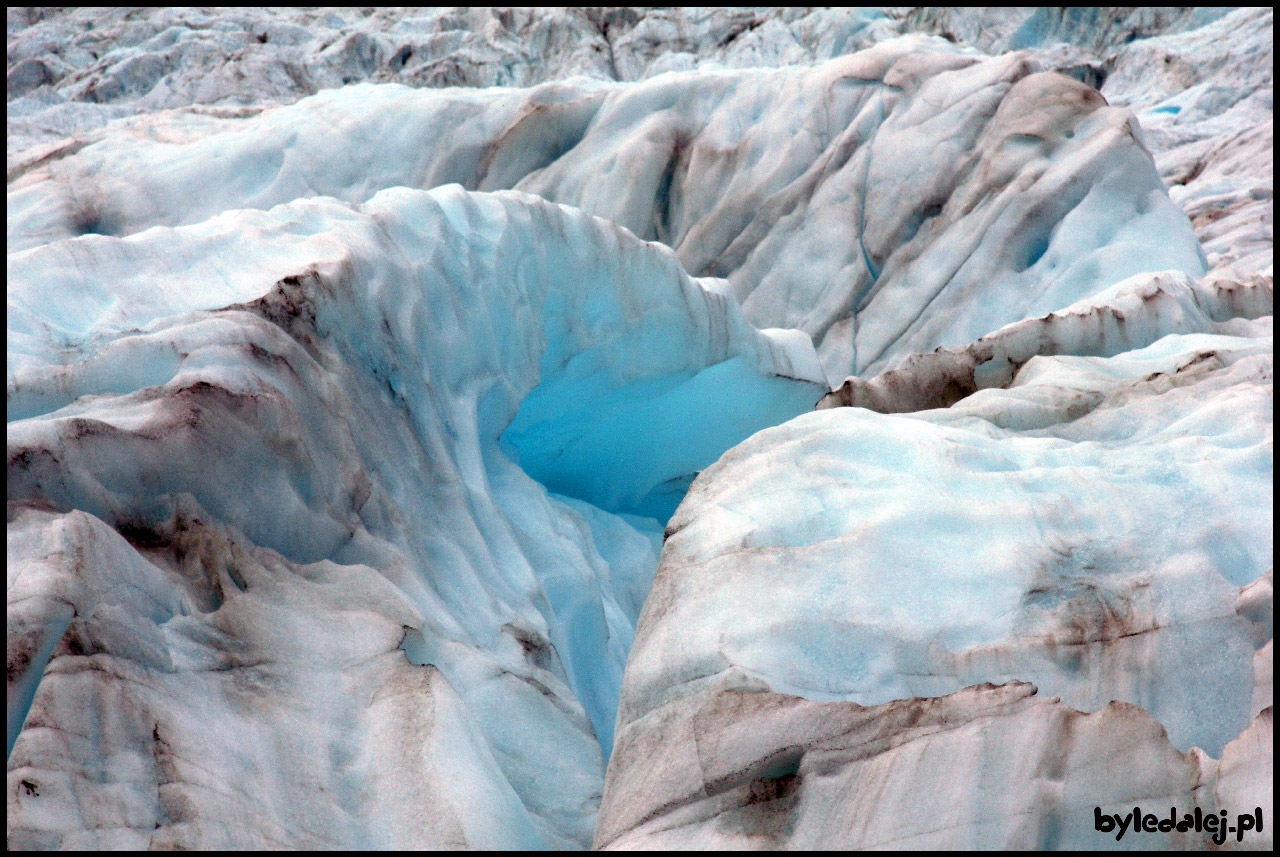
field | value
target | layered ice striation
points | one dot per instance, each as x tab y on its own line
363	364
986	767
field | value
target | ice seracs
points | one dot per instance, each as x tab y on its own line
70	71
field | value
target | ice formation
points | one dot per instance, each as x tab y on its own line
927	196
991	767
361	363
329	384
1052	559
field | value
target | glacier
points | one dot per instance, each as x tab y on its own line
637	428
426	543
1049	561
1002	204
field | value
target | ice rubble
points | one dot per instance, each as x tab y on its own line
72	70
333	503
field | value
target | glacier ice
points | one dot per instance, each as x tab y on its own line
1023	577
411	419
313	398
1079	538
73	70
747	769
1130	315
982	191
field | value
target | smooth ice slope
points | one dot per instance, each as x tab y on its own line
292	418
887	202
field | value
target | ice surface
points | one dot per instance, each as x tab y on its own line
312	397
924	197
1130	315
1076	526
1019	576
986	767
72	70
360	362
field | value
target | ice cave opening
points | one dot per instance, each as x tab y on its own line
623	457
